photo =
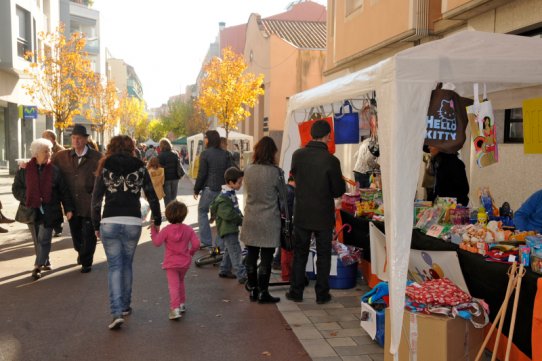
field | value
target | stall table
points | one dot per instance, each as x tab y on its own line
485	280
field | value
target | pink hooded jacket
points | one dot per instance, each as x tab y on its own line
177	237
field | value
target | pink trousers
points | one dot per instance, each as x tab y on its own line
175	280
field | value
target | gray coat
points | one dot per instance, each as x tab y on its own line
261	223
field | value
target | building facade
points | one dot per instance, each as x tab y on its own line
382	28
20	22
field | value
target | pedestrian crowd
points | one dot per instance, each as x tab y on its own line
101	197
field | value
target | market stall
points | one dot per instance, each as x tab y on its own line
403	84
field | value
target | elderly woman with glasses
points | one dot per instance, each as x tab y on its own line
40	186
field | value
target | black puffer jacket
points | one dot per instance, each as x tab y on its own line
121	181
213	163
170	162
318	180
52	215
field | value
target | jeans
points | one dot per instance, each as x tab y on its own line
170	190
175	282
323	261
363	179
120	242
232	257
84	239
207	196
41	236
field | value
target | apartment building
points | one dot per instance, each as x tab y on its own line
20	22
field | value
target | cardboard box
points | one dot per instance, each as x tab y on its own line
438	338
372	321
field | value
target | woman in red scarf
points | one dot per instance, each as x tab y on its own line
40	186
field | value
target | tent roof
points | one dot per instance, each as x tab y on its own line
232	134
150	142
180	141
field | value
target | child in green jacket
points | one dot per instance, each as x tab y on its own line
225	210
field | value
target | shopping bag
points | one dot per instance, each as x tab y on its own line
305	133
446	120
483	130
346	125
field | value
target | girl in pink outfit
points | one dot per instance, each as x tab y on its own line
181	244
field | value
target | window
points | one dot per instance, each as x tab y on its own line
352	5
513	125
24	40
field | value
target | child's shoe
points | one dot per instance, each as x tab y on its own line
182	308
174	314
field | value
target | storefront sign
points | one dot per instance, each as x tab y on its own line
28	111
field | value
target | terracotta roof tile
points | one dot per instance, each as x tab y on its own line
302	34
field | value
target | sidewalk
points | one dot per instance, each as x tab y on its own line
219	309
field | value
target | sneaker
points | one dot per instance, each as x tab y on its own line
290	297
116	323
226	275
323	300
127	311
242	280
86	269
174	314
46	267
182	308
36	274
57	234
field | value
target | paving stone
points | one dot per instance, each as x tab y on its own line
344	311
358	350
312	313
334	318
317	348
349	324
341	341
314	306
377	357
295	317
356	358
348	301
363	340
332	358
327	326
344	333
307	332
287	306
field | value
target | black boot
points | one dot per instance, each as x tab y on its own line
263	284
252	283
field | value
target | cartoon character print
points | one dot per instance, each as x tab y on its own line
447	111
131	182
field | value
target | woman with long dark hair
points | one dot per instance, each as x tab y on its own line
212	165
120	177
261	224
40	186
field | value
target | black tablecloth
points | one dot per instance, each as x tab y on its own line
485	280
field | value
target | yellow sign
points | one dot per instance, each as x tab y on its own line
532	126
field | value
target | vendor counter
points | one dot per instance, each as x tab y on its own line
485	280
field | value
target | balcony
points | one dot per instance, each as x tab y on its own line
22	47
93	46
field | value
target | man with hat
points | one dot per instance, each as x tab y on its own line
318	178
78	165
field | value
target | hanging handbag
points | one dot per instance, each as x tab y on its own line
25	214
483	129
305	130
346	125
286	227
180	170
446	120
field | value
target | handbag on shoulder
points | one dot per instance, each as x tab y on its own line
25	214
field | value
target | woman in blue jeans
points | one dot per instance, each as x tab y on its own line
120	177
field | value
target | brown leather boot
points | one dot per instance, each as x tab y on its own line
4	219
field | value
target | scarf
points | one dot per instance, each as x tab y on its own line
39	183
230	193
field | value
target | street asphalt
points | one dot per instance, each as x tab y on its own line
64	315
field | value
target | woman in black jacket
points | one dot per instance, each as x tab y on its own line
40	186
169	160
120	177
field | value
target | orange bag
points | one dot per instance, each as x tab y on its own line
305	133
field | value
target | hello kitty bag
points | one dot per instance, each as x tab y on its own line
446	120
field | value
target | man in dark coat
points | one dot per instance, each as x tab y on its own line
77	166
318	180
450	176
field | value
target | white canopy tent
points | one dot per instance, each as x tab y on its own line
195	143
150	142
403	85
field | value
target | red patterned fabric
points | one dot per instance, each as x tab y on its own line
437	292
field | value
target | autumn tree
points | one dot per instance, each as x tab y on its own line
103	109
198	123
177	117
227	91
61	77
133	117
